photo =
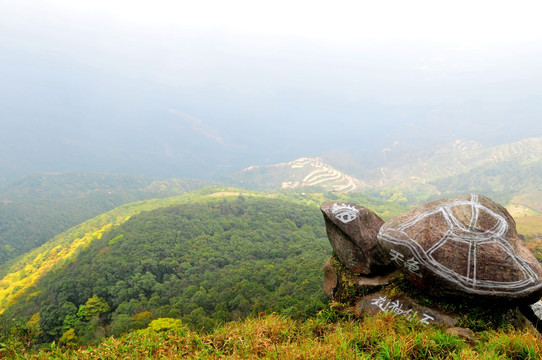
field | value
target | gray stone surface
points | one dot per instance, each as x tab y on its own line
330	279
401	306
463	246
537	309
352	231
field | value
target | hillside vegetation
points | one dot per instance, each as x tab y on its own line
459	157
39	206
207	257
509	173
198	275
321	337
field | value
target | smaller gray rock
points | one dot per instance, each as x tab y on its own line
537	309
352	231
330	279
463	333
401	306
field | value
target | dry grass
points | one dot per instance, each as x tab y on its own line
273	337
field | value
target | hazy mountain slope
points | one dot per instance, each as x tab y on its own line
36	207
509	182
400	166
57	113
509	172
304	174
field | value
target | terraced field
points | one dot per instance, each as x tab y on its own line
321	175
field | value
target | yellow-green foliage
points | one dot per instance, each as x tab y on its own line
144	315
23	274
15	284
115	239
165	324
520	210
529	226
68	337
272	337
93	308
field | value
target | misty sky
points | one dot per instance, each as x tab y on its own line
231	83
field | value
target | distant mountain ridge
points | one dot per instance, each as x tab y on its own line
509	173
458	157
302	173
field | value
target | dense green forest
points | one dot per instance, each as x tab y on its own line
206	257
186	266
42	205
204	263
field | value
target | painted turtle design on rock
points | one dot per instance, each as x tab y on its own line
465	244
352	231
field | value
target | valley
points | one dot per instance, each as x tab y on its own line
270	180
86	256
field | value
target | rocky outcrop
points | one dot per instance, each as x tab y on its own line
463	246
452	261
393	294
352	231
342	285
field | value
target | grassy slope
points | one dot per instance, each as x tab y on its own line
324	337
271	336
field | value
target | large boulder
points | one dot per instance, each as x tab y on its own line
352	231
463	246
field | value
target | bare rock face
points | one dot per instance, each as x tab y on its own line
330	279
341	284
463	246
352	231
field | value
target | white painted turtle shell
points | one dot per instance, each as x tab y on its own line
463	245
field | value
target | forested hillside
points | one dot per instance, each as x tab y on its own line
206	257
42	205
510	182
